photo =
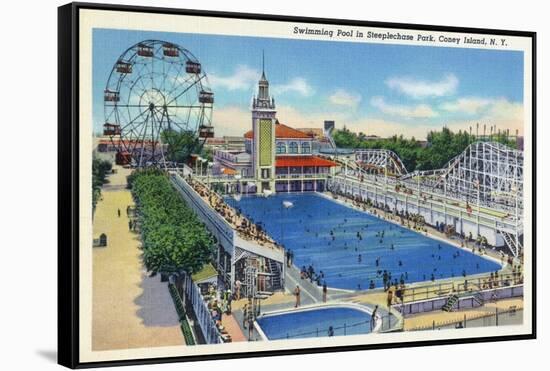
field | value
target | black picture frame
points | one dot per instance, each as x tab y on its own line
68	182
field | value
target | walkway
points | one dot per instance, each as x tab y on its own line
309	292
441	318
233	328
130	309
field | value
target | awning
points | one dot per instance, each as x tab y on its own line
297	161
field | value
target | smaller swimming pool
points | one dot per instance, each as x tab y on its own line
318	321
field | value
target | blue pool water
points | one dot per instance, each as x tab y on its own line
306	229
315	323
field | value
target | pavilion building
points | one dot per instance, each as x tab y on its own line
276	157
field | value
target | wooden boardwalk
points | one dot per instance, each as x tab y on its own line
232	327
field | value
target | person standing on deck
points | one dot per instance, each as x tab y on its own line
238	290
250	315
297	294
389	299
288	258
373	317
245	314
325	292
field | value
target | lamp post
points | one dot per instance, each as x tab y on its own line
200	160
286	205
515	192
238	196
208	170
203	161
222	173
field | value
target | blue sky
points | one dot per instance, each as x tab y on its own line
375	88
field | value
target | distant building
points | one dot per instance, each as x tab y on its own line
422	143
231	143
105	144
329	125
371	137
315	133
519	143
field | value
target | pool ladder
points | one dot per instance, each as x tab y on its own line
451	301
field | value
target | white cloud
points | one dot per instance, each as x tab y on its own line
407	112
243	78
468	105
246	78
503	109
231	120
234	120
297	85
489	111
421	89
388	128
342	97
298	119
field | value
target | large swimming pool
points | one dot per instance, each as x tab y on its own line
315	322
348	247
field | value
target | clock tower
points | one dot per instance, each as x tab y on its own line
263	128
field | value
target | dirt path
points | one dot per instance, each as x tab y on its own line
130	309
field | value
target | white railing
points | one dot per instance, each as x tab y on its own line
207	325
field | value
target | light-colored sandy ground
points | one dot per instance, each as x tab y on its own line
130	309
276	298
232	327
422	321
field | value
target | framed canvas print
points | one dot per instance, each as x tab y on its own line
240	185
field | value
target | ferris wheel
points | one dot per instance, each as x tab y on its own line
157	105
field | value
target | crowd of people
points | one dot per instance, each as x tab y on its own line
239	222
432	185
383	211
218	304
496	279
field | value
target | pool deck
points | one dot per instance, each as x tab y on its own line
233	328
440	318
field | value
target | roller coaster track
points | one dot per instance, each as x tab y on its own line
381	159
372	158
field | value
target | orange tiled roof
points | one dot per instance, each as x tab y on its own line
228	171
283	131
286	161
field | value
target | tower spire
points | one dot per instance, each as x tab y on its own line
263	100
263	65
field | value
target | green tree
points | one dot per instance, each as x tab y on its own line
100	169
440	147
180	145
174	240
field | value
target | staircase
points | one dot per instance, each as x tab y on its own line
328	134
478	298
512	242
275	275
451	301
